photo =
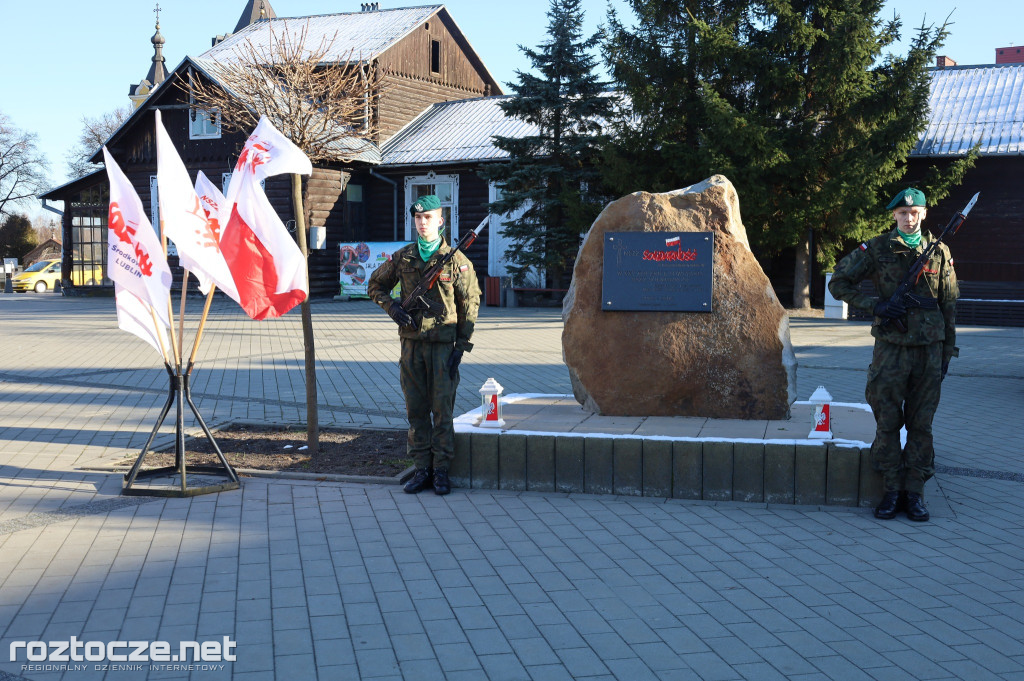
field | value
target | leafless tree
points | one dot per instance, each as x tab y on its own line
95	132
326	106
22	167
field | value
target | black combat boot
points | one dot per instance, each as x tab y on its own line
916	509
442	485
421	479
887	509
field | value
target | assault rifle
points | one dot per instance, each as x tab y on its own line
417	298
902	295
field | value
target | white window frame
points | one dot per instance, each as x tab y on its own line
431	178
154	210
497	243
204	115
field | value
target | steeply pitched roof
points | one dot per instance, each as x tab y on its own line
253	12
454	132
363	35
346	149
975	105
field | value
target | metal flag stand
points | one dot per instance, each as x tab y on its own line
179	393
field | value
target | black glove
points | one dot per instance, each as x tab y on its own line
891	308
945	368
453	363
398	313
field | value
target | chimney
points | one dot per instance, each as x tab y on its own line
943	62
1010	55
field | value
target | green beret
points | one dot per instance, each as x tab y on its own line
425	203
907	198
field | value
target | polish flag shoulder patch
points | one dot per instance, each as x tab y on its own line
863	247
463	268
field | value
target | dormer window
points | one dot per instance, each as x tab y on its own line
203	124
435	56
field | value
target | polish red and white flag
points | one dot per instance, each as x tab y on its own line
267	266
184	219
135	262
674	241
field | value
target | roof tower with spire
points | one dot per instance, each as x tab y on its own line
157	70
255	10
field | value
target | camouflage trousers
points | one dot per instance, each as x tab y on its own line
429	401
904	384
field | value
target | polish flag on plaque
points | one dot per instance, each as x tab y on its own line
266	264
184	219
674	241
135	261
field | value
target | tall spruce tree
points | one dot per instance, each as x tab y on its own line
553	175
799	104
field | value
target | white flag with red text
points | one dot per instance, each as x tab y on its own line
184	219
212	200
266	264
135	259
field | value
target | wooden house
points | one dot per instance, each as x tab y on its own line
423	57
48	250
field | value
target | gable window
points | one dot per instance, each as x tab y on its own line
203	124
435	56
446	187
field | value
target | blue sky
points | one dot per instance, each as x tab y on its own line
64	59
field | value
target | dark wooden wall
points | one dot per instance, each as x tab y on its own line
411	86
990	245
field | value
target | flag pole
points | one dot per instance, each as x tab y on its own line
202	325
181	316
170	304
159	335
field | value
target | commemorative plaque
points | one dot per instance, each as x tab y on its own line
658	271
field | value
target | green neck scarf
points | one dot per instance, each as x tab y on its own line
911	240
428	248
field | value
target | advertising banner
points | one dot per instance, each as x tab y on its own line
359	260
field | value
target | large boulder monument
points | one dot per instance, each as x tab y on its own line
678	324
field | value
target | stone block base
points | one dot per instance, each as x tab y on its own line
816	473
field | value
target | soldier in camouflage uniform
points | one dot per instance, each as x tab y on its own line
907	369
431	348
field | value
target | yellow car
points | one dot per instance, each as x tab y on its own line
39	277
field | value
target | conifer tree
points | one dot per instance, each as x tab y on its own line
799	104
554	173
17	236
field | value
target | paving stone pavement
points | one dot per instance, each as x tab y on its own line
315	579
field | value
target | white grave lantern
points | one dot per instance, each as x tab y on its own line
822	418
490	407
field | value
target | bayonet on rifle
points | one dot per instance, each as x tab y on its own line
903	290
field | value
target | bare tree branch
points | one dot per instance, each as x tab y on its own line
22	167
95	132
327	108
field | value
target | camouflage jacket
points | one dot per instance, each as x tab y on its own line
885	260
456	288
